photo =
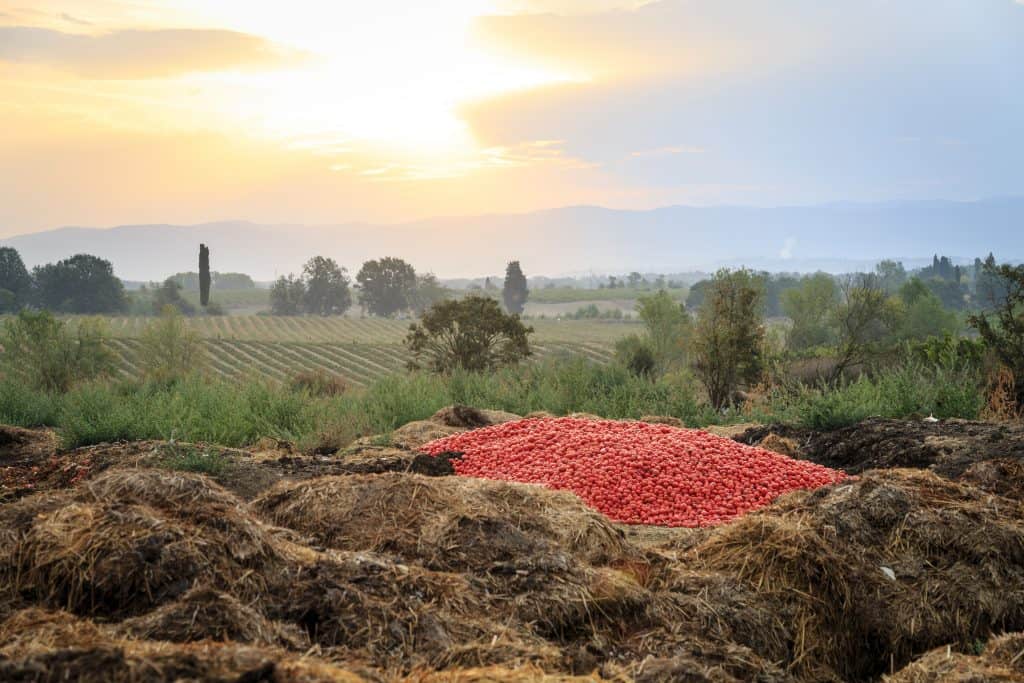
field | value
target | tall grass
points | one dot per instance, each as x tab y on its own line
909	389
238	414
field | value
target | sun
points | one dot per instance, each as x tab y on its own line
386	77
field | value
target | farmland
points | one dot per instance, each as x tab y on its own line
359	350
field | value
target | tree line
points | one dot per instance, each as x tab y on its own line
851	321
384	287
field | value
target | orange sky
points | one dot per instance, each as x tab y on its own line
132	111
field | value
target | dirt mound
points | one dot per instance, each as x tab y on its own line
877	569
1002	660
947	447
366	607
40	645
133	540
1002	477
539	555
208	614
468	417
25	446
419	519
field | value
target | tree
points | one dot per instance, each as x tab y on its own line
428	292
634	279
891	275
923	314
15	282
515	291
52	354
169	348
635	353
204	275
669	328
287	295
469	334
326	287
1003	332
729	335
864	320
169	294
80	284
811	307
386	285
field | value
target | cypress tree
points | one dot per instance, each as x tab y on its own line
515	292
204	274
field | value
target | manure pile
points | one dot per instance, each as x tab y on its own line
137	574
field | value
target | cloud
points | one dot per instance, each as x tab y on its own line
139	54
812	100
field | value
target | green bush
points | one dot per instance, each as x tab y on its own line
188	458
50	354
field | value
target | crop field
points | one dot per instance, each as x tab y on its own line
359	350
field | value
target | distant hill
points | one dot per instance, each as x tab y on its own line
834	237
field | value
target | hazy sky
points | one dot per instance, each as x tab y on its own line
184	111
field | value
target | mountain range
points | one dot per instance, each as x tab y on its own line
837	237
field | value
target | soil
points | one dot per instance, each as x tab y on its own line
373	564
947	447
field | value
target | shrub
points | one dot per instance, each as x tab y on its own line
170	349
189	458
635	354
318	383
469	334
48	354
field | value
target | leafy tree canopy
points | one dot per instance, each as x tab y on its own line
80	284
386	285
326	287
469	334
15	282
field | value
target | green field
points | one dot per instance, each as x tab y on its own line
360	350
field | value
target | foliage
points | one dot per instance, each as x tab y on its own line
326	287
190	458
318	383
15	282
287	295
470	334
1002	327
811	307
80	284
169	294
729	336
428	292
635	354
170	350
669	329
220	281
515	292
204	275
923	313
386	285
47	354
865	321
891	275
909	389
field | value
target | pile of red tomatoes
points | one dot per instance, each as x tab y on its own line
634	472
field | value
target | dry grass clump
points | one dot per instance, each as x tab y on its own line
1002	661
526	674
868	573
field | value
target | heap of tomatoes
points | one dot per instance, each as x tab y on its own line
634	472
